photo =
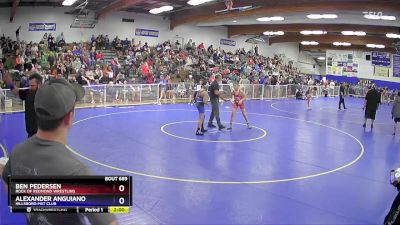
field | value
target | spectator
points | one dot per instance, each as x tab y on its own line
372	101
35	82
115	65
396	111
47	154
145	62
99	56
77	65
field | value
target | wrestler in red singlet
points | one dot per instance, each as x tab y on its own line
238	96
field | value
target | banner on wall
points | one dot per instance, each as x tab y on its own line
42	26
350	69
381	59
381	71
146	32
341	63
396	65
227	42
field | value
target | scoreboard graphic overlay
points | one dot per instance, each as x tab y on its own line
80	194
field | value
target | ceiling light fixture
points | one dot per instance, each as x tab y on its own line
273	33
336	43
388	18
235	21
390	35
274	18
329	16
309	43
167	8
375	46
321	58
161	9
68	2
321	16
197	2
379	17
312	32
354	33
155	11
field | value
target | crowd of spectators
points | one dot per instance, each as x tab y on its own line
137	62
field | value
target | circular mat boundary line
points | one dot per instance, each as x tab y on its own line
223	182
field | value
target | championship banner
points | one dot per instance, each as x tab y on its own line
146	33
341	63
42	26
381	59
381	71
349	69
227	42
396	65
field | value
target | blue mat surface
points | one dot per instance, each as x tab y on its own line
296	166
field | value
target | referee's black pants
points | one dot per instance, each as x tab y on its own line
215	112
341	101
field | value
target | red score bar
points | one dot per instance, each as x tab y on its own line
81	189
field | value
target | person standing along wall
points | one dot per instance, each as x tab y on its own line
341	96
46	154
396	111
372	101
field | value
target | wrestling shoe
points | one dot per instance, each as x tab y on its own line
199	133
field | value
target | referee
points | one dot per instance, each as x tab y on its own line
46	154
372	101
215	95
341	95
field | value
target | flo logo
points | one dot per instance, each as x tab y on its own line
372	15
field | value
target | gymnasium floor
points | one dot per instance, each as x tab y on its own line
296	166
